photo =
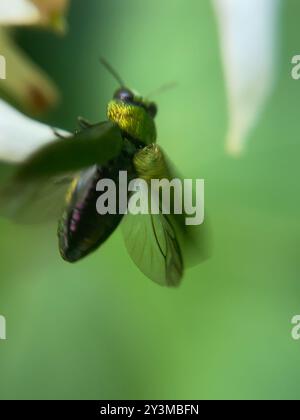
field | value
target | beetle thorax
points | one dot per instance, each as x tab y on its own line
133	120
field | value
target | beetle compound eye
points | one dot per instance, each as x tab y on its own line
152	109
124	95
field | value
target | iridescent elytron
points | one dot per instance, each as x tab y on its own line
71	168
82	229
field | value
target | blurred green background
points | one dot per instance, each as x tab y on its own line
100	329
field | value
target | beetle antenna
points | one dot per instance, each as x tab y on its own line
162	89
112	71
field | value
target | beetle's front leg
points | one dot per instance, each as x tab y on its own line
83	123
58	134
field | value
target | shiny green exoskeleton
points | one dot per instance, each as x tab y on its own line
82	229
134	115
59	181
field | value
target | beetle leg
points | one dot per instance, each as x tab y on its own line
59	135
83	123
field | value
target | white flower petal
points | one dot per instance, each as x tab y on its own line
34	12
18	12
248	41
20	136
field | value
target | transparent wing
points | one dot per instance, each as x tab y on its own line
152	163
152	245
195	240
6	170
36	191
151	242
34	202
97	144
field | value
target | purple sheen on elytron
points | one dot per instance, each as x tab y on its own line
82	229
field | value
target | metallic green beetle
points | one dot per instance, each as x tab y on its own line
62	177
